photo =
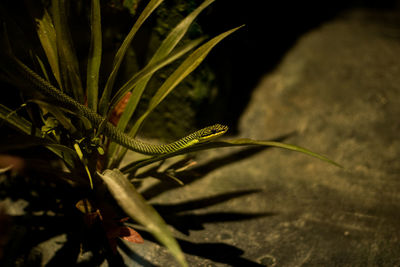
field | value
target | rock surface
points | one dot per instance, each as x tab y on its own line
338	89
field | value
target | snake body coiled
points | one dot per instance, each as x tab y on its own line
110	130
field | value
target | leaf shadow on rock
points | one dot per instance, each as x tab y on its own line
57	215
136	257
180	216
216	252
196	173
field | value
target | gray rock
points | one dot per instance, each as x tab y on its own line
338	89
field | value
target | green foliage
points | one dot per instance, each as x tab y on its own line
137	208
94	57
80	144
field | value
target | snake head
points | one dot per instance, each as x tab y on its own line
211	132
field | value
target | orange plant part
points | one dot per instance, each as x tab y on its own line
119	109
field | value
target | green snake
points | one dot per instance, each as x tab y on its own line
110	130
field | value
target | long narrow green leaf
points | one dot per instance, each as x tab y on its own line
148	70
246	142
43	68
132	167
190	64
57	113
18	122
47	36
84	162
105	98
26	127
176	34
169	43
68	61
138	209
64	153
187	66
94	60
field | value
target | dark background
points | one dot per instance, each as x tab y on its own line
272	28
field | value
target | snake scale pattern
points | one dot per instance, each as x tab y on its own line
110	130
